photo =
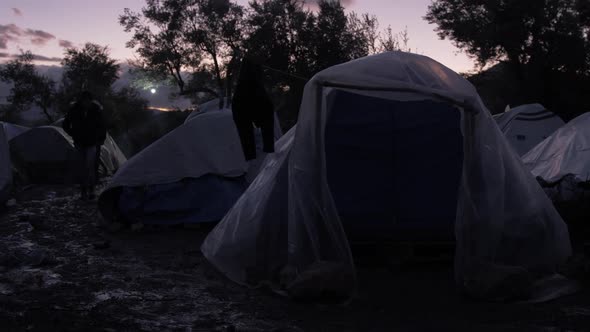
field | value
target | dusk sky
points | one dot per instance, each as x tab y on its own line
45	26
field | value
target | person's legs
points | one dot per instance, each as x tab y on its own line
268	134
92	170
97	162
83	171
246	133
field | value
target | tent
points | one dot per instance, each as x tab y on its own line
564	155
8	131
527	125
211	105
12	130
111	156
5	165
394	138
47	155
192	175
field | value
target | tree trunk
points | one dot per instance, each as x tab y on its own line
229	76
46	111
219	82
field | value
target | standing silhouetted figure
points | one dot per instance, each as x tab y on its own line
86	124
251	105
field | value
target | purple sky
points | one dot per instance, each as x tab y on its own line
44	27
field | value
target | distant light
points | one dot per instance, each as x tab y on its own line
153	90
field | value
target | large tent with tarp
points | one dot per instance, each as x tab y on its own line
387	141
47	155
527	125
192	175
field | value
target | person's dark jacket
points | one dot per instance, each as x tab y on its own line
87	127
251	105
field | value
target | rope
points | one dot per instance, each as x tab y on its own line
286	73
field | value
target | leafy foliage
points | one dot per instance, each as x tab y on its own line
89	68
159	41
29	87
544	43
173	36
208	38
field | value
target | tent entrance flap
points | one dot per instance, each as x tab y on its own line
393	167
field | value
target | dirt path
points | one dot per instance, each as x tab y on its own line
59	271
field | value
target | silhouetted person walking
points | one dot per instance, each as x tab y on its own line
86	124
251	106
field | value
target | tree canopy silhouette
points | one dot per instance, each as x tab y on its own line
545	43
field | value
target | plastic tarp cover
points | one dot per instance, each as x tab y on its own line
111	157
249	244
209	145
506	228
5	166
566	152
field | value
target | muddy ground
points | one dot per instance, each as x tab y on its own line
60	271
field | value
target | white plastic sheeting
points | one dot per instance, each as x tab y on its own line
208	144
526	126
255	164
285	230
566	152
5	165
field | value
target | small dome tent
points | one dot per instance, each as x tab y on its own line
526	126
565	155
289	226
566	152
194	174
12	130
47	155
111	156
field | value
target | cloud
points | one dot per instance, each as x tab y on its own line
9	33
36	57
17	12
39	57
66	43
13	33
314	3
39	37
